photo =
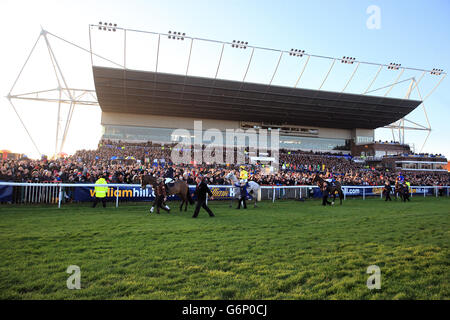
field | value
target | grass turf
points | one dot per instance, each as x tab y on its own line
281	250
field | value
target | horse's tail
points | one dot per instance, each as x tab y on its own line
189	198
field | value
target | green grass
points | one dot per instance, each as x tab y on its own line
281	250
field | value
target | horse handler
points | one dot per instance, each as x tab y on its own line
160	181
405	192
161	196
200	191
244	194
325	192
387	191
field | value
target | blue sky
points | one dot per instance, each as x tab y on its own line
413	33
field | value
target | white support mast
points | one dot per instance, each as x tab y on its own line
66	95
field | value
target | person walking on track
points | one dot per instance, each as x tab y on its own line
161	196
387	191
201	190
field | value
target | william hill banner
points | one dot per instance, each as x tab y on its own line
137	194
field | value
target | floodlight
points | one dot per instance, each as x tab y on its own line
436	72
394	66
297	53
239	44
176	35
349	60
107	26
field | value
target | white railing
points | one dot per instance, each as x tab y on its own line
54	192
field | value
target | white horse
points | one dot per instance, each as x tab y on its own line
253	188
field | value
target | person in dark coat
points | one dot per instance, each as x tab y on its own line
161	196
387	191
201	190
405	192
170	172
325	193
244	194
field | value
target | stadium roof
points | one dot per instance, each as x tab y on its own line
143	92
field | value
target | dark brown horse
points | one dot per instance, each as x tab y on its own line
401	191
179	188
333	189
398	190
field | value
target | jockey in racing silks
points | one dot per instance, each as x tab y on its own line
400	178
329	178
169	175
243	174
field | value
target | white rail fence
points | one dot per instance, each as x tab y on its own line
58	193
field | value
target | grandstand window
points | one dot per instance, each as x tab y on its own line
421	165
295	130
363	139
314	144
131	133
410	166
165	135
425	166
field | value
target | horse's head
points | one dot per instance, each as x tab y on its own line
143	183
147	180
317	178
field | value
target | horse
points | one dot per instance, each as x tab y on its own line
403	191
253	188
337	187
180	188
398	190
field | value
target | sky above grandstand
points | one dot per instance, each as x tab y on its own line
413	33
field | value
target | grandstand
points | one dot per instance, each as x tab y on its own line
145	106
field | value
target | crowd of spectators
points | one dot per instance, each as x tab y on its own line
124	162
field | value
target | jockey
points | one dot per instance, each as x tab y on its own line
169	175
329	178
243	174
400	178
